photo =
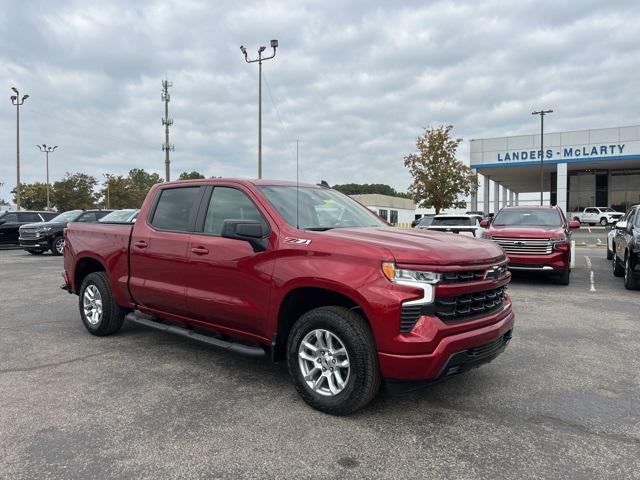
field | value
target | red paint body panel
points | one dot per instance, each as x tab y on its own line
225	286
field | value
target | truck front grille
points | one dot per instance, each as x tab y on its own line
463	276
527	246
466	306
29	233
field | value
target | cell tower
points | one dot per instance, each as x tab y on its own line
167	122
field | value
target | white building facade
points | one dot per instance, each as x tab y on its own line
578	169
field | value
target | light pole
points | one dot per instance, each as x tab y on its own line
260	59
108	177
47	151
542	113
17	101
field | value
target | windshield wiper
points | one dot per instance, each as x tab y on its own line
318	229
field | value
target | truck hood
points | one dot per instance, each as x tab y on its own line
424	247
43	224
525	231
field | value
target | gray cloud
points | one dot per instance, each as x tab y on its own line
355	81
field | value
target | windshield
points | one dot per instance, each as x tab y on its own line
318	208
607	209
66	217
425	221
120	216
538	217
453	221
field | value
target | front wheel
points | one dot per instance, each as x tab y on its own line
57	245
603	222
609	254
332	360
35	252
564	277
618	271
630	283
98	309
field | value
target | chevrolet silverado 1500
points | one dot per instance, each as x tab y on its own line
299	273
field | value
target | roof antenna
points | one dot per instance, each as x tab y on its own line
297	189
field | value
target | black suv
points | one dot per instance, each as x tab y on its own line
626	248
10	222
37	238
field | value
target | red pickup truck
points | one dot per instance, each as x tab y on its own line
534	238
297	273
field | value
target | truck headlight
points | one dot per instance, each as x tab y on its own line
555	242
45	229
398	275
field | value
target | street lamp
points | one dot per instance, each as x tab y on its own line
47	151
542	113
108	177
17	101
260	59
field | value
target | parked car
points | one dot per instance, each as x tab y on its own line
460	224
10	223
594	215
534	238
249	267
626	249
37	238
425	221
126	215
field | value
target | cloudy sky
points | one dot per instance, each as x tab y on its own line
355	81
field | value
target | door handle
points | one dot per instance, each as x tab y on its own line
141	244
199	250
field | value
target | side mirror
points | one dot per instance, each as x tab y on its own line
485	223
251	231
621	225
574	224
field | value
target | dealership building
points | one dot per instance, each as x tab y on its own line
580	169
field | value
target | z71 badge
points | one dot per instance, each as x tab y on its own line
297	241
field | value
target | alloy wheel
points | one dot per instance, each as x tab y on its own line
59	245
92	304
324	362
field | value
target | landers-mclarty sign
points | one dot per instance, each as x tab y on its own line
563	153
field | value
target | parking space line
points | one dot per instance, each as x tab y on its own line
591	276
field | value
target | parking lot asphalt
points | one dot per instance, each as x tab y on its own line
563	401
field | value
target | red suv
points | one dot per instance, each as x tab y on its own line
534	238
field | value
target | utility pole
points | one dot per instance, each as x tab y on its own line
542	113
17	101
47	151
167	122
108	177
260	59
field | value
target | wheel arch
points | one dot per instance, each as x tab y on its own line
84	267
302	299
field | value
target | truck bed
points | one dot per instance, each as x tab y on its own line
107	243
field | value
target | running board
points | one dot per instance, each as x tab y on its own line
241	348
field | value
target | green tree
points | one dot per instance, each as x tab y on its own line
3	202
364	188
33	196
74	191
190	175
117	192
140	183
439	179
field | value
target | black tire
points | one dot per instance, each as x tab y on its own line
565	276
35	252
353	331
618	271
57	246
112	315
603	222
609	254
630	283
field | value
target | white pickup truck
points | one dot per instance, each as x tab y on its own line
602	215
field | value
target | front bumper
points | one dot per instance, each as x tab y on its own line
436	364
33	243
557	260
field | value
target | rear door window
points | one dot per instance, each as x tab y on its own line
30	217
88	217
175	209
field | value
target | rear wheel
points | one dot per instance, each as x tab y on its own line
57	245
332	360
98	309
35	252
630	283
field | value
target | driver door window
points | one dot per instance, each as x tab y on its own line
229	204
